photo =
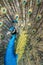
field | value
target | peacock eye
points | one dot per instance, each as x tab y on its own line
38	2
24	2
38	17
3	10
1	36
38	39
1	24
30	12
33	31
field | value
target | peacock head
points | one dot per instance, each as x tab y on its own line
13	30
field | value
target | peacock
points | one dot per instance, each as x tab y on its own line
21	32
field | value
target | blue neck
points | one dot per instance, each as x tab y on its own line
10	57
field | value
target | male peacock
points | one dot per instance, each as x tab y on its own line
27	18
